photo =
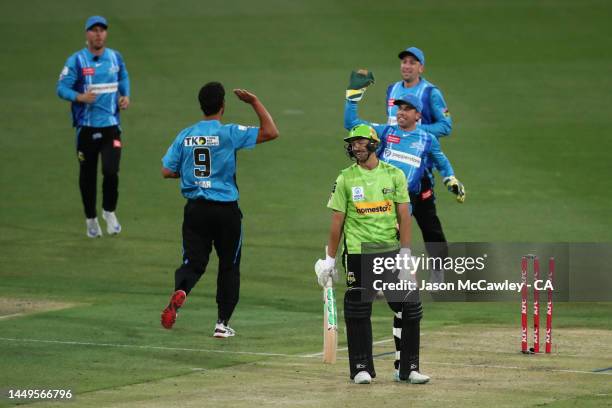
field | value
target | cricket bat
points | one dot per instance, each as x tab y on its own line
330	324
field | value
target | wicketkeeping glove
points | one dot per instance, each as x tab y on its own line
326	270
358	83
454	186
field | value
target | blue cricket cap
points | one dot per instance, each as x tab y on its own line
410	100
414	51
95	20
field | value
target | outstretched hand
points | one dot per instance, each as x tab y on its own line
245	96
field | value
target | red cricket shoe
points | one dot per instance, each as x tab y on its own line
168	316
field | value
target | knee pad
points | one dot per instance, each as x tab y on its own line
412	311
354	308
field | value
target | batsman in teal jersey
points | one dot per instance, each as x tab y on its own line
369	199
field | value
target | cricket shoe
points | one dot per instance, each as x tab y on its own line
414	378
168	316
93	227
363	377
112	223
222	330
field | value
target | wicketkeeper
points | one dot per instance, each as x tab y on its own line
368	200
416	152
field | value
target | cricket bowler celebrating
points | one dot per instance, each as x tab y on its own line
203	156
368	200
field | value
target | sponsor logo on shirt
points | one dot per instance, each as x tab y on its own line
393	139
406	158
334	187
89	71
191	141
376	207
446	113
358	194
388	190
104	88
391	101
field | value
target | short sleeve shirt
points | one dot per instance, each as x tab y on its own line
368	199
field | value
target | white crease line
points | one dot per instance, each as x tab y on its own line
254	353
557	370
82	343
11	315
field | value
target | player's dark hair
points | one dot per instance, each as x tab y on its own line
211	98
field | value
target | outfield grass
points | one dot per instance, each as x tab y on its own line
529	88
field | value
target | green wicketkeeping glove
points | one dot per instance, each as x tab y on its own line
358	84
454	186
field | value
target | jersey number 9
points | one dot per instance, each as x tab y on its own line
201	162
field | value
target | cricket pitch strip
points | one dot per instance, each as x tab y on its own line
469	365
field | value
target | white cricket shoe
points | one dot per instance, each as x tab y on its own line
222	331
363	377
414	378
112	223
93	228
417	378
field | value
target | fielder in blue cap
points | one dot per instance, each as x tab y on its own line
94	21
96	82
434	119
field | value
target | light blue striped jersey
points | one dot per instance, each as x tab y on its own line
205	157
411	151
105	75
435	117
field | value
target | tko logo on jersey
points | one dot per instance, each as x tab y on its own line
376	207
88	71
201	141
393	139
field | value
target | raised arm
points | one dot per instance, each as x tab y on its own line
267	128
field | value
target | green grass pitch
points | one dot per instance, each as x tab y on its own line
528	85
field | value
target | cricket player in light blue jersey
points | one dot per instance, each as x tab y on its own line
435	117
96	82
436	120
203	156
415	151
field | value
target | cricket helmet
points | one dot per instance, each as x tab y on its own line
362	132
